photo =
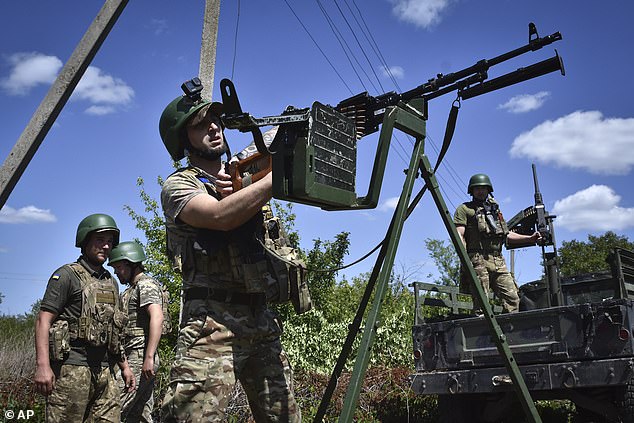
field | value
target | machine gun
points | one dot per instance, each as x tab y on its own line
314	150
367	111
533	218
536	218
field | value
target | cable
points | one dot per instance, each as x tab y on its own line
359	44
317	45
341	41
235	42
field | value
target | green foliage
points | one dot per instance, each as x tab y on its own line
583	257
446	260
17	364
157	264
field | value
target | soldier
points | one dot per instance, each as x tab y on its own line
143	302
227	332
77	332
483	230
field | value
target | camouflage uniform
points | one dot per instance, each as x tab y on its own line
227	332
85	387
484	247
137	406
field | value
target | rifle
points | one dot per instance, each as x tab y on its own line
315	148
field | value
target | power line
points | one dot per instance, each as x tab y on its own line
235	41
318	47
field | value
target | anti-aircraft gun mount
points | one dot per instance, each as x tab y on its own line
313	159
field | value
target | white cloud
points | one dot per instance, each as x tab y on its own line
389	204
422	13
581	140
595	208
158	26
100	110
4	250
99	88
28	214
103	91
395	71
30	70
525	102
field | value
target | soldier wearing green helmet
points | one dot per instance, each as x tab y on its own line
143	301
78	329
227	331
483	231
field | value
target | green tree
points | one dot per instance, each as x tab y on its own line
152	223
590	256
446	260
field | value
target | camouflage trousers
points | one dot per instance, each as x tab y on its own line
83	394
137	406
222	343
493	274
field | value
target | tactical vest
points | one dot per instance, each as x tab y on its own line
238	261
486	230
134	327
101	321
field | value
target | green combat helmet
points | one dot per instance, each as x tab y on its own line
178	112
479	180
128	250
95	222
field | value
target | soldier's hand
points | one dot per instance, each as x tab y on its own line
44	380
537	238
128	378
148	368
223	183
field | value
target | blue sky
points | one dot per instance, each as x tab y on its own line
577	129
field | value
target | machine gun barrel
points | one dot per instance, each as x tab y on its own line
542	224
522	74
367	111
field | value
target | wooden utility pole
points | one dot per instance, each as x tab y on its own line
48	110
208	47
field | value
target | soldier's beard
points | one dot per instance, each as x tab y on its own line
211	154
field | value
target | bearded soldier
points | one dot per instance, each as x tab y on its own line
227	331
143	303
483	230
77	332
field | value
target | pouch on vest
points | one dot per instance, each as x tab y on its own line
58	340
288	281
115	337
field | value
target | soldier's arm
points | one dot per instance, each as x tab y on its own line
514	237
461	231
44	376
155	311
205	211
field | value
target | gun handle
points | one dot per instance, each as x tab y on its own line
253	168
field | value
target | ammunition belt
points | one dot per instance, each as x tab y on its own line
224	296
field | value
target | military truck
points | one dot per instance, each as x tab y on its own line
572	339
